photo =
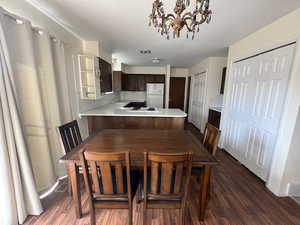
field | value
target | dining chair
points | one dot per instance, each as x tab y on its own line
107	177
166	182
210	140
70	138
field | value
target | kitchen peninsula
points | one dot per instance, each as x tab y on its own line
120	116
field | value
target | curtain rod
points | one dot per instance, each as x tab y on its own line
21	20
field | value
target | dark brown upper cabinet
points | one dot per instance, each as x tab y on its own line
223	80
106	76
137	82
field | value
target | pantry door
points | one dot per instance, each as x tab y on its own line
198	100
257	91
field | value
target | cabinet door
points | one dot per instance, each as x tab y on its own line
160	78
141	83
132	82
117	80
106	76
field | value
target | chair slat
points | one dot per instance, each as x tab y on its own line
106	177
178	178
70	139
154	177
119	177
95	177
166	177
74	135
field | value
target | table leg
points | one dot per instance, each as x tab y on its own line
204	190
74	176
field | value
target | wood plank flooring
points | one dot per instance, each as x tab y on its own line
239	198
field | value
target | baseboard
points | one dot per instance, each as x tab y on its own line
294	189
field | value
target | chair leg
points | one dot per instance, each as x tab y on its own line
138	195
144	216
182	217
130	215
69	187
92	216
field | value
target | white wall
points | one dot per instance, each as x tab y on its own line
286	158
145	70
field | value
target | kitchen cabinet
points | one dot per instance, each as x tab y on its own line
89	74
117	80
137	82
223	80
106	76
214	118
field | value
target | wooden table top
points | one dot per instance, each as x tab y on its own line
139	141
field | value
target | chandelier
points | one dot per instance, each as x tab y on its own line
191	20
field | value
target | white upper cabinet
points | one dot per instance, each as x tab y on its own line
89	74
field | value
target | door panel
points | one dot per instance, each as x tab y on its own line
256	98
198	100
177	90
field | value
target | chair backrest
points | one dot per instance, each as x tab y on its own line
211	138
168	174
106	175
70	135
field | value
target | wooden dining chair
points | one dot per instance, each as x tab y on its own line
166	182
211	138
70	138
210	141
108	181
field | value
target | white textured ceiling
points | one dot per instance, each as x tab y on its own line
123	26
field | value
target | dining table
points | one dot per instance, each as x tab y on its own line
137	142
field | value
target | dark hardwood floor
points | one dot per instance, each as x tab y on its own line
239	198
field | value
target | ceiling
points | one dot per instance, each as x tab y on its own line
123	27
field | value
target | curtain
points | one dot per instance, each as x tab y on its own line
18	194
34	101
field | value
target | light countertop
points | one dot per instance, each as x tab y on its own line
115	109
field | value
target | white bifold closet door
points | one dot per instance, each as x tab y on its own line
198	100
257	93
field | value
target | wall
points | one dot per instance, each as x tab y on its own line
213	66
145	69
129	96
286	157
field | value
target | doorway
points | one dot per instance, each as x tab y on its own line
177	90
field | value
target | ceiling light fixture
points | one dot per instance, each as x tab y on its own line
156	60
145	51
191	20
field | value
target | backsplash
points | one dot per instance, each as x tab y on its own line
133	96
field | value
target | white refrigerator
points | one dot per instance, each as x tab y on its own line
155	95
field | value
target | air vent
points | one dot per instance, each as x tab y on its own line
145	51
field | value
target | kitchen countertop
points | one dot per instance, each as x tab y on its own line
115	109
